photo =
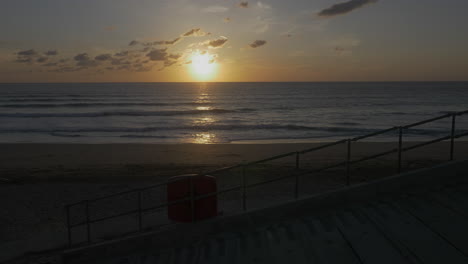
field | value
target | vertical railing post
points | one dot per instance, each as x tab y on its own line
297	159
67	209
88	229
400	147
452	137
296	185
244	186
348	162
192	197
140	220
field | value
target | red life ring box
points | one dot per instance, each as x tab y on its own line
179	187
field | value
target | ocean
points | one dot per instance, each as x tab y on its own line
224	112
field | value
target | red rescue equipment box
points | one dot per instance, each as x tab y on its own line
185	187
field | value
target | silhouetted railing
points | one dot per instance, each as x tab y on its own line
347	163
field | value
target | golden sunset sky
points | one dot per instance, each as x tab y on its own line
227	40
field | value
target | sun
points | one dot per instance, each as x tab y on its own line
203	65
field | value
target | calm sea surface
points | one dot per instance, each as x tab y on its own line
223	112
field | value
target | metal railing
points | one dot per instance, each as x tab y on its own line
347	164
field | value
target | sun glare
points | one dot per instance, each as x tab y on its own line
203	65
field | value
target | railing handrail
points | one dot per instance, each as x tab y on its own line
348	162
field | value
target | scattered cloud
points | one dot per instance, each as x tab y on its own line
196	32
30	52
81	57
215	9
216	43
103	57
244	4
169	42
257	43
157	54
133	59
26	56
121	53
50	64
42	59
344	7
83	60
51	52
133	43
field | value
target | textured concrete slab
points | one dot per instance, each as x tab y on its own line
417	217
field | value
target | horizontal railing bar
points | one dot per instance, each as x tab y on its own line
462	112
270	159
461	135
427	121
322	146
77	203
375	133
373	156
331	166
187	199
426	143
270	181
304	172
128	192
221	170
115	216
77	224
198	197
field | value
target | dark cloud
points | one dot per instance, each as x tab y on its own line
50	64
121	54
51	52
164	42
168	63
83	60
244	4
24	60
345	7
81	57
124	67
257	43
174	56
41	59
216	43
27	56
103	57
163	56
196	32
30	52
157	55
133	43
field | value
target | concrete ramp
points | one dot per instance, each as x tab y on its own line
417	217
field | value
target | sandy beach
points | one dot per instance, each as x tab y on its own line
39	179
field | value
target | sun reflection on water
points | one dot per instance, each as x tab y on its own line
203	108
204	138
204	121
